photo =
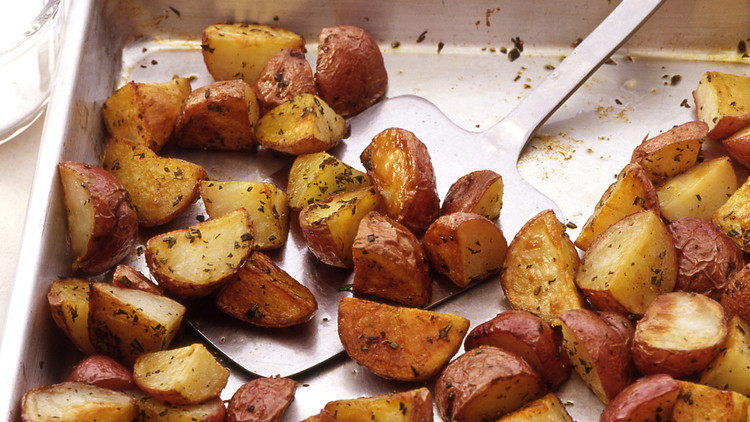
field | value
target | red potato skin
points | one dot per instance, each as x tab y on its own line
464	194
103	371
738	146
261	400
651	397
126	276
285	75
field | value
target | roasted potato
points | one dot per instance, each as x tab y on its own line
126	276
350	73
102	223
314	177
480	192
261	293
186	375
194	261
304	124
699	191
548	408
68	300
484	384
266	205
323	416
630	193
599	347
733	217
671	152
738	146
145	112
285	75
125	323
77	402
540	267
261	400
629	264
399	343
102	371
241	50
153	410
528	336
723	103
407	406
160	188
330	226
736	296
219	116
706	257
400	167
651	398
731	368
680	334
703	403
389	262
465	247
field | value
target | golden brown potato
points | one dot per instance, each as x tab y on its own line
548	408
465	247
540	267
241	50
68	300
261	293
219	116
285	75
723	103
160	188
389	262
680	334
317	176
407	406
703	403
738	146
126	276
102	371
349	72
399	343
671	152
186	375
102	223
528	336
77	402
330	226
630	193
125	323
302	125
211	410
736	297
484	384
629	264
733	217
480	192
401	169
145	112
706	257
261	400
323	416
194	261
599	347
651	398
731	368
266	205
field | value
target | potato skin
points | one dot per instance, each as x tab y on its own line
102	371
466	194
261	400
650	397
350	73
286	74
736	296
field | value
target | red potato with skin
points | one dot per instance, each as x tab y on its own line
261	400
722	101
103	371
480	192
75	401
285	75
126	276
211	410
647	399
738	146
736	296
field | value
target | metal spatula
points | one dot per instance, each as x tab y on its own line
454	152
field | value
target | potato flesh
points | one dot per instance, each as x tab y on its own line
582	361
69	302
700	402
150	409
80	210
671	152
545	409
72	401
731	368
723	103
413	405
733	217
316	176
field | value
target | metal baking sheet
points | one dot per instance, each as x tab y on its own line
448	52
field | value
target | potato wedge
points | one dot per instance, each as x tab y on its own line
401	169
125	323
399	343
629	265
261	293
219	116
126	276
723	103
738	146
186	375
736	296
145	112
304	124
102	371
102	223
406	406
540	267
266	205
77	402
68	300
389	262
323	416
153	410
630	193
480	192
733	217
484	384
671	152
330	226
285	75
465	247
651	398
699	191
241	50
193	262
261	400
548	408
700	402
317	176
731	368
160	188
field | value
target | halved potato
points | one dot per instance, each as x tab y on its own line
733	217
731	368
699	402
69	302
126	276
102	371
153	410
193	262
317	176
399	343
407	406
671	152
77	402
261	400
723	103
286	74
648	399
480	192
545	409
